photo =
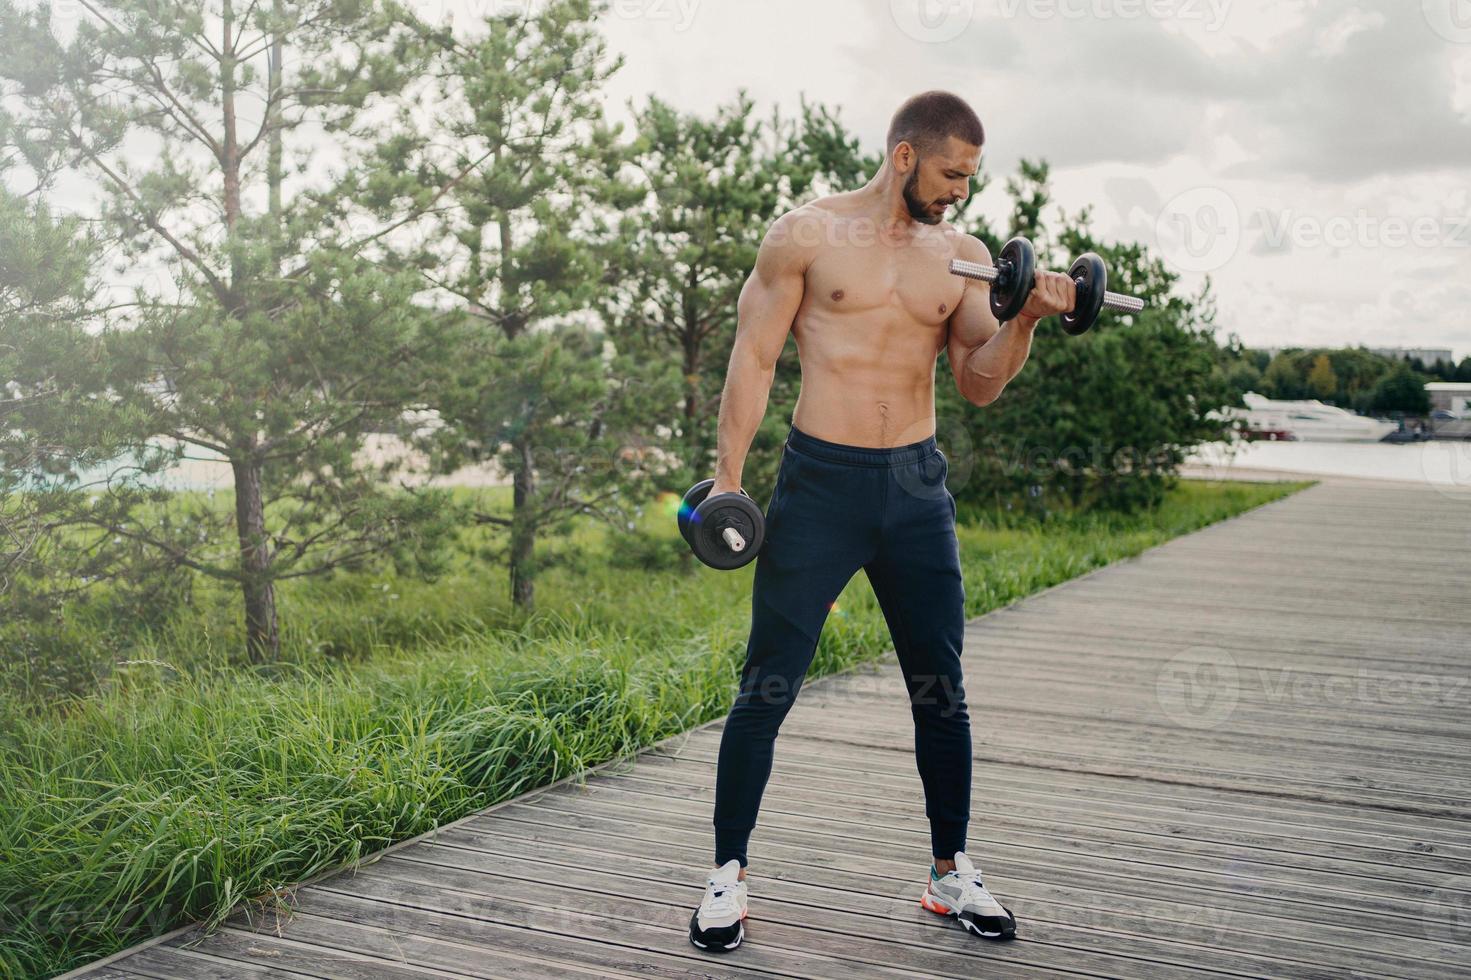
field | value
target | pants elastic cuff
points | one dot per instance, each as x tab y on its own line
730	844
947	837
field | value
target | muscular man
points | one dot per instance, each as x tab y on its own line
861	281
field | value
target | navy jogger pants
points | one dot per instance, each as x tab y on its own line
837	509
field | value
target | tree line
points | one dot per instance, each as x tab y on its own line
1349	377
357	220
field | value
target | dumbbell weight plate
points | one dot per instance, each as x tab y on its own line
693	497
713	516
1091	278
1009	294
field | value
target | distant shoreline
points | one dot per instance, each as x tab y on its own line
198	472
1445	465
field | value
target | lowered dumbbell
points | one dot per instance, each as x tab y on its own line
1014	275
724	531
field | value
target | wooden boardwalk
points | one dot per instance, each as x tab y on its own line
1243	753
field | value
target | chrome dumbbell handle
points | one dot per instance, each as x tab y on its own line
985	273
974	270
733	539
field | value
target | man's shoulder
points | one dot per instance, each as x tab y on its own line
802	229
967	246
813	214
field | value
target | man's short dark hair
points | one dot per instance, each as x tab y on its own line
928	119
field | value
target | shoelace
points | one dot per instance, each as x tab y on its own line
719	899
973	891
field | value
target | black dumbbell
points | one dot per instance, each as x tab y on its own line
724	531
1014	276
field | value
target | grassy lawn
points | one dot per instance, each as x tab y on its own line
181	785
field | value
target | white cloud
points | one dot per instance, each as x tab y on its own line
1329	126
1332	128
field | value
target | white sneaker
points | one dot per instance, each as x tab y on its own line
961	894
719	923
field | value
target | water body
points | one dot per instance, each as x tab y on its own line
203	469
1443	463
1440	463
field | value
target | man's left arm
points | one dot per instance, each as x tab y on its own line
985	354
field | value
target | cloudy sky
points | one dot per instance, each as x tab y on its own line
1314	158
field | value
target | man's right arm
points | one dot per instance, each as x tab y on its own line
768	304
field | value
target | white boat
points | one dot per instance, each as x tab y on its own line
1309	421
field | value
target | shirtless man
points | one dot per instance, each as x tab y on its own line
861	280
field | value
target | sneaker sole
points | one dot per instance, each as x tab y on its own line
929	901
726	947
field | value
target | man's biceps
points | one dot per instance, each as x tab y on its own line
790	290
776	261
767	310
771	300
972	328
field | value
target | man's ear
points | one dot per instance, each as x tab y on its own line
905	157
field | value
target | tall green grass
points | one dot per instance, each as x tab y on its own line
184	785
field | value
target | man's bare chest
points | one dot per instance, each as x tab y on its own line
911	281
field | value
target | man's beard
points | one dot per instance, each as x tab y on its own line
918	210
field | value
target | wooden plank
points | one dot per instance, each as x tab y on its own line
170	963
1185	803
609	924
1232	748
1032	652
1009	802
847	940
1157	747
339	951
1354	651
1139	761
1262	913
1298	835
1318	893
1118	919
1430	730
1016	821
477	947
278	952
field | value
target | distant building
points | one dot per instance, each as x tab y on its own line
1452	396
1427	355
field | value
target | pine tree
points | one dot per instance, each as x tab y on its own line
712	186
521	247
49	427
281	343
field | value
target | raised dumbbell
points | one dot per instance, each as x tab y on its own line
1014	275
724	531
